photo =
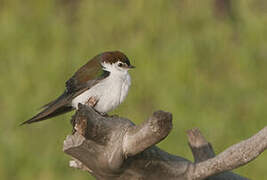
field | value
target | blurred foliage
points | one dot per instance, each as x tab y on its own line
209	72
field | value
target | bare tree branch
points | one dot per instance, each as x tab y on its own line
202	150
152	131
200	147
114	148
233	157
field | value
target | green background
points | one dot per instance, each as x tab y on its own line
208	70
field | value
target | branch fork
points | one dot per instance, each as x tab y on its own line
111	147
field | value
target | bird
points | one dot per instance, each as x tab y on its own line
102	83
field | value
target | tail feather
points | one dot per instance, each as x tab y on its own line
51	103
55	108
43	115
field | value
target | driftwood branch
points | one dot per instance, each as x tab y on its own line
152	131
202	150
114	148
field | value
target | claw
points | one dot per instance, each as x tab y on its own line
92	101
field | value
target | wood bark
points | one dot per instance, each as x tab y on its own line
114	148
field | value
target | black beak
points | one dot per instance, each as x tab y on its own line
131	67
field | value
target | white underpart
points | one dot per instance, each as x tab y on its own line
110	92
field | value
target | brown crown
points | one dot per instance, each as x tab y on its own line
114	56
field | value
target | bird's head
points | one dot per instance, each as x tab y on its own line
115	61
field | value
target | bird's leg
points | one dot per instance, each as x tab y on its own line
92	101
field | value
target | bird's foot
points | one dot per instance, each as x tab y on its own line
92	101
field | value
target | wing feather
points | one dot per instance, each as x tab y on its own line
86	77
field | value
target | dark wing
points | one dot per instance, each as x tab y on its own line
86	77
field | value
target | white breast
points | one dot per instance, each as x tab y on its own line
110	92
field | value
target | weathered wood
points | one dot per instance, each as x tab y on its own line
152	131
202	150
114	148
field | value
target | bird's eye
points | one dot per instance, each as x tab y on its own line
120	64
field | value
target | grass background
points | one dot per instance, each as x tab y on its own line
209	72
